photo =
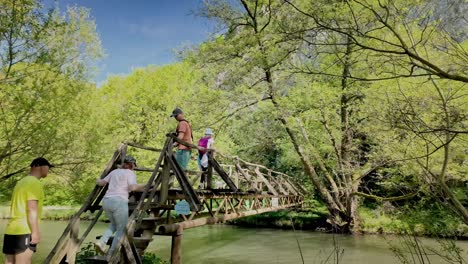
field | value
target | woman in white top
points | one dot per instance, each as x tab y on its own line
115	202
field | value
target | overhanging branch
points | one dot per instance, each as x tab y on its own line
386	199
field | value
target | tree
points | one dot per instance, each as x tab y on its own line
398	40
44	59
428	134
255	53
266	47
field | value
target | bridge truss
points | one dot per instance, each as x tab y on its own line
242	189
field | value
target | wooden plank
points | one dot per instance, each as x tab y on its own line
73	242
123	154
293	186
135	145
189	192
223	175
278	184
220	206
153	180
236	177
143	169
267	183
288	186
209	174
246	176
165	176
209	220
131	255
192	183
91	225
176	247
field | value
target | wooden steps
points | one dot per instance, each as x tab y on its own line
150	223
97	259
142	242
132	206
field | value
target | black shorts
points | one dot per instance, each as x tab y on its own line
15	244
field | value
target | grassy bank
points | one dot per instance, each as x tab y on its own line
285	219
419	222
372	221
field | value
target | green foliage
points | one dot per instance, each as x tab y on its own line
46	59
410	249
151	258
85	252
309	219
88	251
420	218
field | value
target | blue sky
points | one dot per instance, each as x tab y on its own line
138	33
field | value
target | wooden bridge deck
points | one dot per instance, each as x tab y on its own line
247	189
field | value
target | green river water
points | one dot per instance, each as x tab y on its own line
230	244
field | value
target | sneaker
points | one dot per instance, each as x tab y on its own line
99	248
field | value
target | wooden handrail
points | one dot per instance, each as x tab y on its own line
135	145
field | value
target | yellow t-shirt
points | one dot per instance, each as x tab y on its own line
27	189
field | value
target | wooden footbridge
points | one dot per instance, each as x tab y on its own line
249	189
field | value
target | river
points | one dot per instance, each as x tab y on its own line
230	244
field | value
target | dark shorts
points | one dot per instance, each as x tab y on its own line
16	244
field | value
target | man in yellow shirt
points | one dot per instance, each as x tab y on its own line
22	232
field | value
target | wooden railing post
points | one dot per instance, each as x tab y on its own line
209	174
73	243
176	247
166	171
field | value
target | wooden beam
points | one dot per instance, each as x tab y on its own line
176	246
170	228
91	225
165	177
135	145
289	186
223	174
265	181
187	189
73	242
277	182
246	176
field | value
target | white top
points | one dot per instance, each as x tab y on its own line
210	143
120	181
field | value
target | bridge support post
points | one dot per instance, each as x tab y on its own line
209	173
176	247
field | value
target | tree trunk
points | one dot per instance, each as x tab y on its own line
345	157
337	216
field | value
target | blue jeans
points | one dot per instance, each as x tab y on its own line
116	209
183	158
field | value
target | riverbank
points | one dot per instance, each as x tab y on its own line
372	221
